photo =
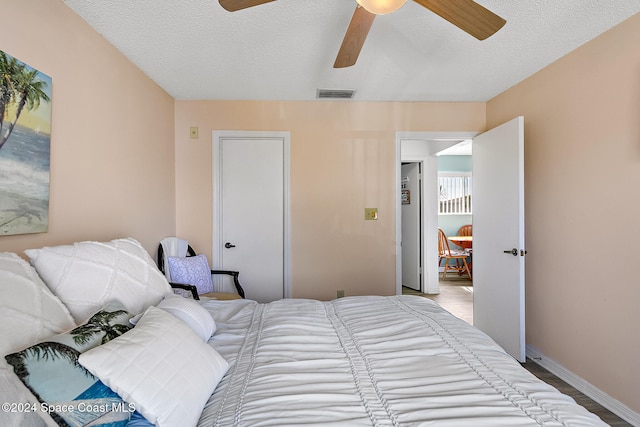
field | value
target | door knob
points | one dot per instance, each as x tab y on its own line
513	252
228	245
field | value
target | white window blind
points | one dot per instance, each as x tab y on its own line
455	193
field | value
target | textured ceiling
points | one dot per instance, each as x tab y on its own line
284	50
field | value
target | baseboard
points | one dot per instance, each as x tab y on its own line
583	386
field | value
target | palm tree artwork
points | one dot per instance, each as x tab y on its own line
28	89
25	137
51	370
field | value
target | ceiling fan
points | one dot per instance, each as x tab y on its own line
467	15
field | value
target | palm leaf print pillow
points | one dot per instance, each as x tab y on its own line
69	393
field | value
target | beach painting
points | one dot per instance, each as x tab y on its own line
25	141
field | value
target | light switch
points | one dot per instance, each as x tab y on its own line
193	132
370	214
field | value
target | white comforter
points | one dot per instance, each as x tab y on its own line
371	361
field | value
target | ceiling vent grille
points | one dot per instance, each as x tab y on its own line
335	94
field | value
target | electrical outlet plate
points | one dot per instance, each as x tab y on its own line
370	214
193	132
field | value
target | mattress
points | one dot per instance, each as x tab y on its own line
371	361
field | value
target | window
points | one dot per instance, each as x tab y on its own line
455	193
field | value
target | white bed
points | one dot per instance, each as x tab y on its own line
358	361
370	361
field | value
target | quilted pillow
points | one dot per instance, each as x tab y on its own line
87	275
29	313
191	313
162	367
192	270
50	369
28	309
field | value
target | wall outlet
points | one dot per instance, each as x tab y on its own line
340	294
370	214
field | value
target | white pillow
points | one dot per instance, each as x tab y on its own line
191	313
162	367
87	275
29	313
28	309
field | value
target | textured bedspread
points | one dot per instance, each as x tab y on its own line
363	361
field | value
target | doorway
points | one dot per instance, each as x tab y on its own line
423	147
499	280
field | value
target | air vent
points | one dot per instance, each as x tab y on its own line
335	94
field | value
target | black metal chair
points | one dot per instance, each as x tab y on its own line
192	288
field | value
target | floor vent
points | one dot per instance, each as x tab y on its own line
335	94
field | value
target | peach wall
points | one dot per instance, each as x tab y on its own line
342	160
582	161
112	149
115	172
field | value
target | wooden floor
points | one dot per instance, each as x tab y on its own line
456	296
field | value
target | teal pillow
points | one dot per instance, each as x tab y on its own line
65	389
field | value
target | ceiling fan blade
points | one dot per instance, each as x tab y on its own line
354	38
234	5
467	15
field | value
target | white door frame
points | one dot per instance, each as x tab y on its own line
217	136
426	145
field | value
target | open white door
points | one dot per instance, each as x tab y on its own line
411	227
498	235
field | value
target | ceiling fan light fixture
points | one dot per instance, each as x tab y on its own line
381	7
